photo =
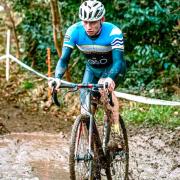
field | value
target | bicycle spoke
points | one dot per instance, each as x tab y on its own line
81	160
81	153
119	157
117	150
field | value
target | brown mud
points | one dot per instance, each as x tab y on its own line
34	139
35	146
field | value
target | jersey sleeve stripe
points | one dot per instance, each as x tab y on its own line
117	42
67	45
119	47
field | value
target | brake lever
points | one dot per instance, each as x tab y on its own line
54	97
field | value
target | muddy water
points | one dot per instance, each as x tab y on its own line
34	156
154	155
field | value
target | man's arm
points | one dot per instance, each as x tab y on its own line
119	65
63	62
118	68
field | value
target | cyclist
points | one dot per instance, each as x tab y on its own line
101	43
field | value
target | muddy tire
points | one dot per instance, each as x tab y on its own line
115	147
119	158
80	163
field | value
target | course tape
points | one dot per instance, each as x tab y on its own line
131	97
146	100
27	67
3	57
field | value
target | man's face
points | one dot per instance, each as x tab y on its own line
92	27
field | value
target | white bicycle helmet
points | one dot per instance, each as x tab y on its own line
91	10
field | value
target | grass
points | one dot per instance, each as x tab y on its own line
143	114
168	116
99	116
27	85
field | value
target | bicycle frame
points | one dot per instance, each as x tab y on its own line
88	101
96	155
96	148
92	124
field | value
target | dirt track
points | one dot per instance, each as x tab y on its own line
34	142
35	146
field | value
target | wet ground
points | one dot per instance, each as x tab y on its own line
33	156
154	154
35	147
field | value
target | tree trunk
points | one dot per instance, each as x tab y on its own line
57	30
13	27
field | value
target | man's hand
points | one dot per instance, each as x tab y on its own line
54	82
111	84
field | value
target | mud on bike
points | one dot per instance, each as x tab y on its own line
91	156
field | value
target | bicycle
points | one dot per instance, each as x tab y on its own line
90	155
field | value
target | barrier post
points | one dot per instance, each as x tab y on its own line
49	69
7	55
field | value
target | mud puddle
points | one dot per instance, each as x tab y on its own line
154	155
36	156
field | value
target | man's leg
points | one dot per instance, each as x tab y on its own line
115	108
115	114
114	144
88	78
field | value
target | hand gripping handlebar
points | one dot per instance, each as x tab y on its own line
65	84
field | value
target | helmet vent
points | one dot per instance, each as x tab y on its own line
95	4
85	14
97	12
91	10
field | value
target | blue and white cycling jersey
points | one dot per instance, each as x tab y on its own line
98	51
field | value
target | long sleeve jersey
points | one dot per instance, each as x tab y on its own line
101	51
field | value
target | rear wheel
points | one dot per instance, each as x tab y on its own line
115	146
80	160
118	152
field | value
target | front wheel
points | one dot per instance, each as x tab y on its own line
80	160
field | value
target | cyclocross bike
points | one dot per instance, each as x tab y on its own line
91	156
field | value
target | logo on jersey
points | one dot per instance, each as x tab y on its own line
94	61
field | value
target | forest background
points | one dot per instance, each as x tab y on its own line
151	31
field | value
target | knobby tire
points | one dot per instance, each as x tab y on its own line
80	169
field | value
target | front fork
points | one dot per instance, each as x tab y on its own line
101	148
